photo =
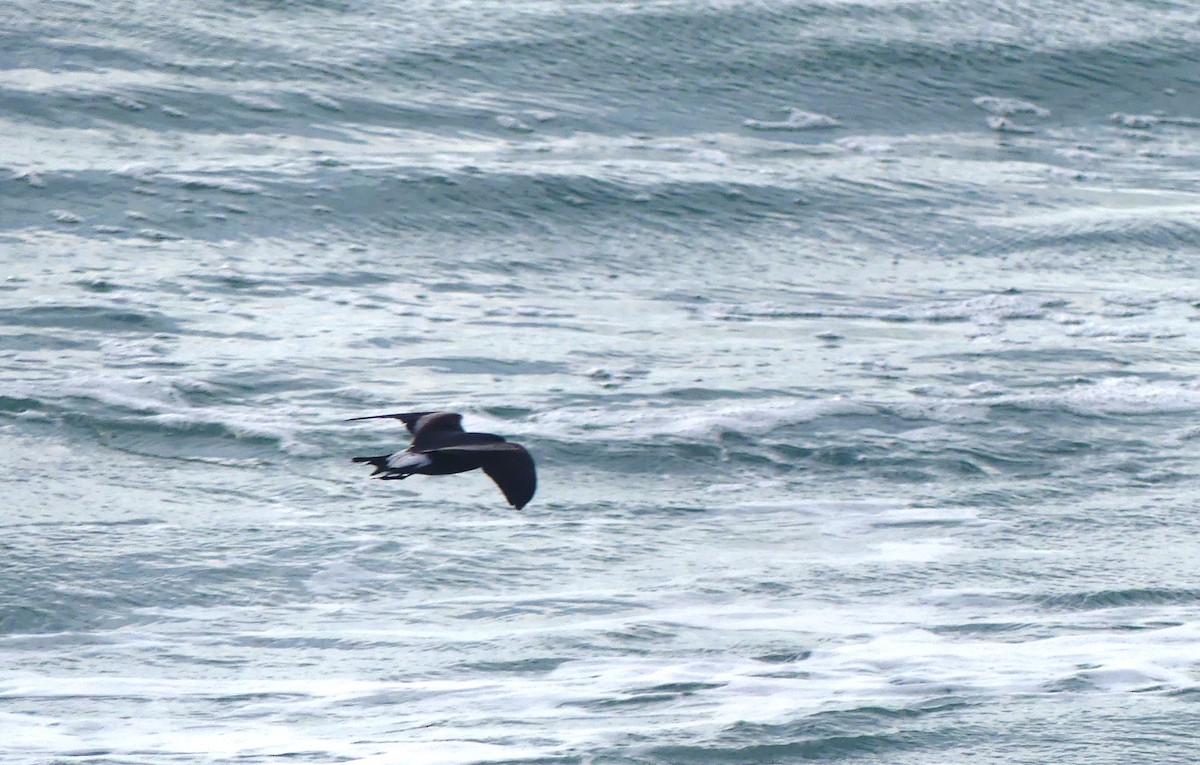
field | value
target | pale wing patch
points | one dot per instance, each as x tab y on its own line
407	461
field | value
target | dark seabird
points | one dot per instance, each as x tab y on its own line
440	447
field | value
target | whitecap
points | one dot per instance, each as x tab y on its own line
798	119
1007	106
129	104
987	309
256	102
1120	396
711	156
1147	121
325	102
163	401
867	144
216	183
1135	121
449	752
707	419
1005	125
509	122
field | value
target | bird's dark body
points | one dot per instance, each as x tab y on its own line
441	447
441	463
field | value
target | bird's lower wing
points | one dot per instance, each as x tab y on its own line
509	465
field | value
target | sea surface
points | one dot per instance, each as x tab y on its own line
857	343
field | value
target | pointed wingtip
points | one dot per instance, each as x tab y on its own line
513	470
447	420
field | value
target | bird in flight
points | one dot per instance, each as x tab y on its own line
440	446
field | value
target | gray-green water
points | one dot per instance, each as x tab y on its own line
856	342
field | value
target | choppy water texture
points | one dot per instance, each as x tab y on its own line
856	342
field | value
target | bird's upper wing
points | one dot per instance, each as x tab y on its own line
509	465
419	421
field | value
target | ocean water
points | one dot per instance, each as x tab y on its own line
856	342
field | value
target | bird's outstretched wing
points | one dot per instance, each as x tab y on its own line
422	421
509	465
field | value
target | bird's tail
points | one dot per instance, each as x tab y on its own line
379	463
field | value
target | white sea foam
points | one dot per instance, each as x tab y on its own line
65	216
799	452
797	119
515	124
991	308
1007	106
216	183
868	144
693	420
1117	662
163	400
579	704
325	102
1110	396
433	751
1119	396
1124	334
1006	125
257	102
711	156
1147	121
950	411
140	393
856	653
